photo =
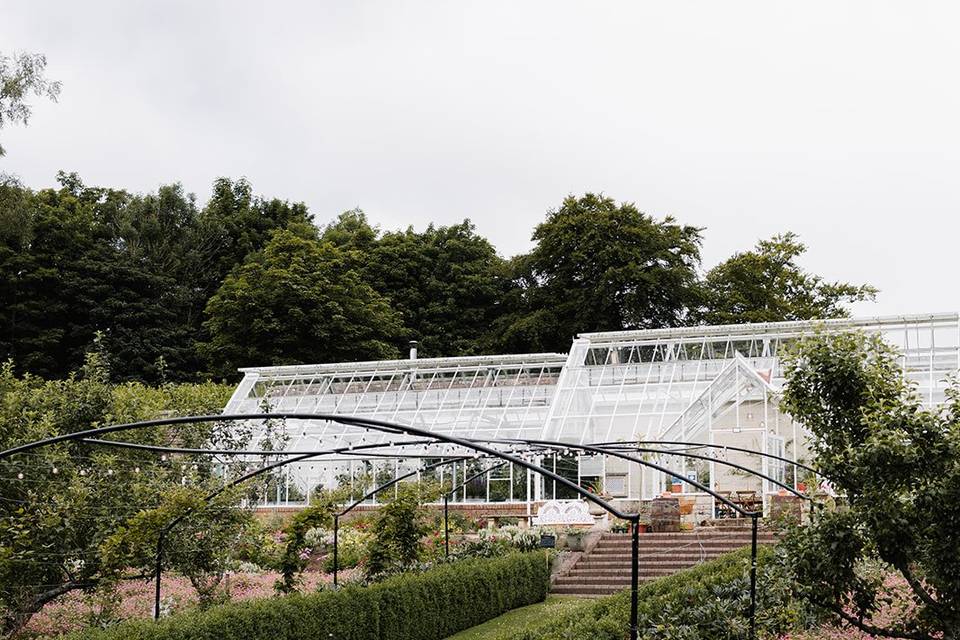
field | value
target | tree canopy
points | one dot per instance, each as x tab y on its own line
767	285
21	75
895	464
445	282
138	270
153	278
598	266
65	508
299	300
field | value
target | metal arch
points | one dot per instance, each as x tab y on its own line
696	445
356	503
728	464
247	476
601	451
387	427
634	578
366	423
378	425
228	452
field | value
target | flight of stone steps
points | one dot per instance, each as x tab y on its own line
605	569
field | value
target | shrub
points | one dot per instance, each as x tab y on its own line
423	606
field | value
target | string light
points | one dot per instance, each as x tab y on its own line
56	471
20	476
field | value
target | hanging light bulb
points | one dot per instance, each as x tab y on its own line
20	476
56	471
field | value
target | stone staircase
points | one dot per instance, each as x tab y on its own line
605	568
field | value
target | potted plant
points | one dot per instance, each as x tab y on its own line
619	526
574	539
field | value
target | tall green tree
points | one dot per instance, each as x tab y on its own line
767	285
21	75
599	266
299	300
446	282
80	261
895	463
235	223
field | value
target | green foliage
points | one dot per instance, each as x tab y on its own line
767	285
422	606
299	300
353	549
169	290
895	464
21	75
57	522
708	602
294	560
138	270
446	282
598	266
200	546
397	532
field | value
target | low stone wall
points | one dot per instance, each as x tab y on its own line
478	511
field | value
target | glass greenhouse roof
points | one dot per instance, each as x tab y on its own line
622	385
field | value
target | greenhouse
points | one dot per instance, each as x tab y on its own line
686	387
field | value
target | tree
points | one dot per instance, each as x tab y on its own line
19	76
298	300
895	464
60	505
446	282
138	270
235	224
599	266
767	285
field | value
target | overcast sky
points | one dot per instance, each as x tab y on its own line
837	120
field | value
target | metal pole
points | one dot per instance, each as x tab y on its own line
634	576
336	535
446	525
156	592
753	579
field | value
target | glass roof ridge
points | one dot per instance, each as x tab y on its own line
762	328
407	363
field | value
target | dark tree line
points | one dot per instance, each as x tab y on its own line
170	290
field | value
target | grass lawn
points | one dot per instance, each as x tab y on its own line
523	618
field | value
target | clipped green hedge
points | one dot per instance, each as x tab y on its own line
430	605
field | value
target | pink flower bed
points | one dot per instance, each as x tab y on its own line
901	605
75	610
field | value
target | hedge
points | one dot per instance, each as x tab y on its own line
707	602
431	605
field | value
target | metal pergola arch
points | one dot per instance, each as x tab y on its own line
386	427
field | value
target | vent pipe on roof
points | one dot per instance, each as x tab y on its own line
413	349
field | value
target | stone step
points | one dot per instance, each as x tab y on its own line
606	569
592	560
663	551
